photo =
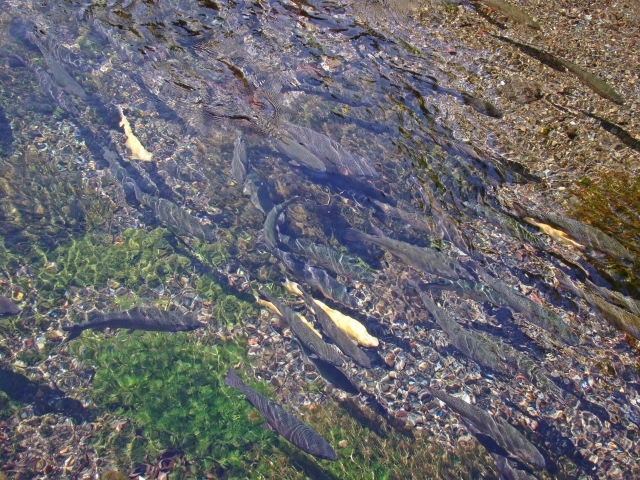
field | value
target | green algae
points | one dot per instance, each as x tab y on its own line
171	388
136	259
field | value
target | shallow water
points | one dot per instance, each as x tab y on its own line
364	113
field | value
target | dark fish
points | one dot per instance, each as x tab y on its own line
612	296
329	286
474	290
184	171
7	307
622	319
512	12
417	220
281	421
63	78
422	259
537	314
270	232
292	148
174	217
326	352
446	225
472	346
151	319
258	193
480	105
331	374
333	155
582	233
328	257
507	223
509	470
239	163
331	330
594	82
48	85
289	260
502	432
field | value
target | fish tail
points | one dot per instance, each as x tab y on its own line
74	332
354	235
233	380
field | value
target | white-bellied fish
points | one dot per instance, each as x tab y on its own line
282	422
150	319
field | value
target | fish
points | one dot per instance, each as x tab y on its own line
258	193
239	165
270	232
422	259
418	221
63	78
535	313
501	431
329	286
352	327
333	156
612	296
331	374
336	334
328	257
185	172
469	344
584	234
7	307
474	290
289	146
284	423
446	225
512	12
558	235
150	319
132	143
324	351
619	317
594	82
174	217
48	84
507	223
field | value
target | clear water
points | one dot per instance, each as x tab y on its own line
359	110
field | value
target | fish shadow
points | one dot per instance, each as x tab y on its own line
44	398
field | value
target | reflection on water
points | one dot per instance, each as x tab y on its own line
191	156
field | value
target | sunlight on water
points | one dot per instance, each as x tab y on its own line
169	168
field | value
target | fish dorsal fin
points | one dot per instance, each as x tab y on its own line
268	426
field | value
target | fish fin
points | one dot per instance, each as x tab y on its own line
314	356
353	234
74	332
268	426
